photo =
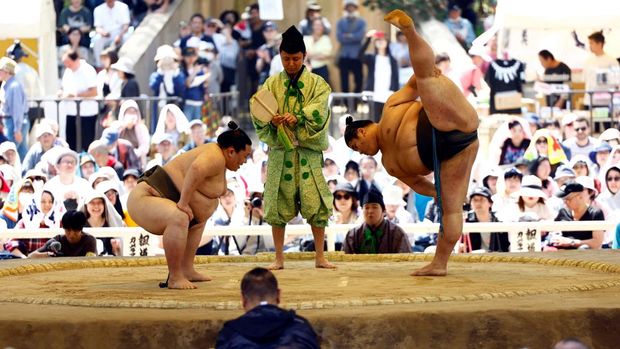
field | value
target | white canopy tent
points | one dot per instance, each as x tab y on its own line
34	19
525	27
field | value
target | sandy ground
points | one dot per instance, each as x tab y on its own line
373	303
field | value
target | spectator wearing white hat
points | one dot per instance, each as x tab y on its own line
101	214
611	188
530	200
100	151
67	185
172	122
125	68
45	136
611	136
568	125
168	80
8	151
165	147
198	136
395	206
313	11
132	128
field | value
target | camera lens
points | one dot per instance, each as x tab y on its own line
257	202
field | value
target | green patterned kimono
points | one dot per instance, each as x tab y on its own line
295	181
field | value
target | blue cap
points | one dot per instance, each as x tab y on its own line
109	135
603	146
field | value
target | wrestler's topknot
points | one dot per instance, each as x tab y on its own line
234	137
233	125
349	120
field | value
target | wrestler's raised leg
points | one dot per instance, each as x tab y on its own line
193	240
278	241
443	101
454	184
319	237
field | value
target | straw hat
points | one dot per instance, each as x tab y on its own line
530	186
124	64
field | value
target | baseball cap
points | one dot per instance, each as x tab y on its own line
564	171
481	191
109	135
44	128
131	172
512	172
569	188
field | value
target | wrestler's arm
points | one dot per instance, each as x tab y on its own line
408	93
206	165
420	185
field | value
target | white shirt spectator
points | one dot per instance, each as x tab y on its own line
593	66
576	149
111	19
74	82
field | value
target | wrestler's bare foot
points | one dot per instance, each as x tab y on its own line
181	284
195	276
431	270
399	19
324	264
277	265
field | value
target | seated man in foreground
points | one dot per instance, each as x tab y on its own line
437	133
74	243
376	234
265	325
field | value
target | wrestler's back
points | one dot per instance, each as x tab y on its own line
206	197
398	126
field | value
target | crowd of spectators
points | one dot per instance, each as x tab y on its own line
536	169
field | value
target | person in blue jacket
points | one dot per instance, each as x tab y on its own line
265	325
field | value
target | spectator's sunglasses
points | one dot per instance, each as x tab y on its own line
37	178
342	196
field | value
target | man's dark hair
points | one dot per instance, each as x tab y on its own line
73	220
582	119
352	165
350	132
73	54
197	15
513	124
254	7
259	283
234	137
111	53
597	37
546	54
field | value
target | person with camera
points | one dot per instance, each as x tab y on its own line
74	242
195	83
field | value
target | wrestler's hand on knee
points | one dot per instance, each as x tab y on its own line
188	210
